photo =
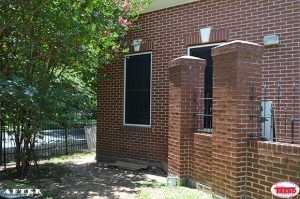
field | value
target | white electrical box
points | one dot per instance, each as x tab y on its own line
270	40
267	120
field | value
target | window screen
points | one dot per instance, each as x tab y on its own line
138	89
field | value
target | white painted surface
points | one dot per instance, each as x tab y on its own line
90	134
205	34
188	57
267	125
161	4
238	41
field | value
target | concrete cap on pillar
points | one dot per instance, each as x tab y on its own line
188	57
238	45
183	60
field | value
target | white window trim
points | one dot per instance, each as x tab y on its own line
124	91
202	46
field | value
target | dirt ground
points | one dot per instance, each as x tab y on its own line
80	177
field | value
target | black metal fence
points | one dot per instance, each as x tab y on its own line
203	113
278	112
277	116
49	142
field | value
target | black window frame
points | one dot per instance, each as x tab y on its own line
124	93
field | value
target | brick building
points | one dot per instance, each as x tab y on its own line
146	107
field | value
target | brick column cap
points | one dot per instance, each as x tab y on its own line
186	60
249	48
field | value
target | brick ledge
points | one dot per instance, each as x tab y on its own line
136	128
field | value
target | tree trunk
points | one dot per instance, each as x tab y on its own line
18	150
32	146
25	157
18	157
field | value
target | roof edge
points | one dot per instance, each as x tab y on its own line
162	4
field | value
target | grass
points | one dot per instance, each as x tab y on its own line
161	191
66	158
49	166
14	184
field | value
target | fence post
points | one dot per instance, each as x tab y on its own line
2	139
66	141
186	75
293	129
1	135
236	66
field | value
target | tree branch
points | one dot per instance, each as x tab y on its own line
40	7
32	15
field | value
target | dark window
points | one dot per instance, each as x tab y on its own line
205	53
138	89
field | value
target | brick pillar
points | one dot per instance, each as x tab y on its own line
236	66
186	77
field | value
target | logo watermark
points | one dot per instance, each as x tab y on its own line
285	190
19	192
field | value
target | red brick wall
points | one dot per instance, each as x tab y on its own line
201	158
226	160
186	77
231	110
270	162
246	20
166	31
115	140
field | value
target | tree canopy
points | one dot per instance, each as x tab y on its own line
50	51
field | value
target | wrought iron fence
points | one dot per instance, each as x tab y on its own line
278	113
203	113
277	116
48	142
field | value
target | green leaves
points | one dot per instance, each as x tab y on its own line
50	53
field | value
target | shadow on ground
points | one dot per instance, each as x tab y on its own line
87	180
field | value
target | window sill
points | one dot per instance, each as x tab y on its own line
205	130
136	128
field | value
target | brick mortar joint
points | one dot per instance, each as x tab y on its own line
275	146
